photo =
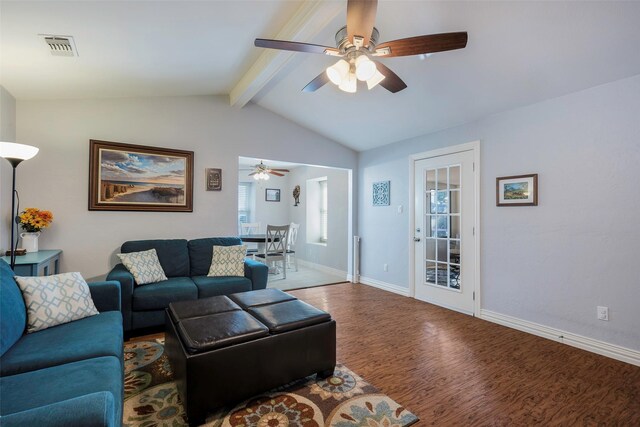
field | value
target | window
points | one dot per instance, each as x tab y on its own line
244	202
324	214
317	211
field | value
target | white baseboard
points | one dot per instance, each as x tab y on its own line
595	346
323	268
384	286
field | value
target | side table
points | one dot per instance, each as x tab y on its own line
41	263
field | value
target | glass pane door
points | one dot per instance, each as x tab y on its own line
442	227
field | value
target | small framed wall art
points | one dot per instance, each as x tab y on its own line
382	193
517	190
214	179
272	194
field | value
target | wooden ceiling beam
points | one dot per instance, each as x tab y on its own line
311	18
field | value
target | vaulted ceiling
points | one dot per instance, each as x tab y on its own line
519	52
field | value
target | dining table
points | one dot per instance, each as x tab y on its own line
256	238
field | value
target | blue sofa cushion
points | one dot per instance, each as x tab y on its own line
90	410
173	254
13	313
158	295
225	285
50	385
95	336
201	252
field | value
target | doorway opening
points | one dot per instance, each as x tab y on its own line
315	201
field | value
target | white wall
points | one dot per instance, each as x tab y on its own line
335	253
274	213
57	179
554	263
7	134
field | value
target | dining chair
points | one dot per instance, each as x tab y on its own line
291	244
250	228
275	247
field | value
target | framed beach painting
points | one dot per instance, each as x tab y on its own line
517	190
126	177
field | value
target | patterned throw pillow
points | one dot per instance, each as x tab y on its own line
54	300
145	266
228	261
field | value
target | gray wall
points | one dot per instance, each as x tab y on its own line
334	253
7	134
57	179
554	263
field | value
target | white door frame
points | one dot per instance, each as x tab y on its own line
473	146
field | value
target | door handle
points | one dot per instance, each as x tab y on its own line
416	239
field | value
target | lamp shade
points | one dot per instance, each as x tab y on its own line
349	84
338	71
11	150
373	81
365	68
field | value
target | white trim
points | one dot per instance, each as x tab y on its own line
324	268
390	287
595	346
473	146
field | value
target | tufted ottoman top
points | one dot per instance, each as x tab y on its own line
212	323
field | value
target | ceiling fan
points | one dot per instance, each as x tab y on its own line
357	43
262	171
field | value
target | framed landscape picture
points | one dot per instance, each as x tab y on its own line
272	195
517	190
126	177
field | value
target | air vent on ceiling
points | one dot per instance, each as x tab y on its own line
60	45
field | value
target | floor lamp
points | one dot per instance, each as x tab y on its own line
15	154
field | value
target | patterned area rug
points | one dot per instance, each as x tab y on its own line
343	400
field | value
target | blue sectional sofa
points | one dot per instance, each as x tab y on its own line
186	264
67	375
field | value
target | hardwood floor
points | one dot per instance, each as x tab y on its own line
455	370
452	369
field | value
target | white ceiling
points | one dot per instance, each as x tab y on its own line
518	53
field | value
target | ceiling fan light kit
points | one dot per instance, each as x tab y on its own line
261	172
261	176
357	42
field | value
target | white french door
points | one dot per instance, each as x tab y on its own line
444	219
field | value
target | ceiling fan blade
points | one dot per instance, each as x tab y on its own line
361	16
391	82
423	44
295	46
276	173
281	170
316	83
253	173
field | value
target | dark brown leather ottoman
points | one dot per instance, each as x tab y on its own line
223	350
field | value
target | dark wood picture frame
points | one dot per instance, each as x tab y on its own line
213	177
517	180
272	194
119	171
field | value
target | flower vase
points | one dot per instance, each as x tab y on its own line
30	241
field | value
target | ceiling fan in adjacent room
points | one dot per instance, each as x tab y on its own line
357	43
262	172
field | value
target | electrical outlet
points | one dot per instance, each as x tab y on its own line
603	313
385	267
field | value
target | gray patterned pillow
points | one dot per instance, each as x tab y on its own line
54	300
228	261
144	266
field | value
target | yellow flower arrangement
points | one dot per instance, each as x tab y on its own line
33	220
